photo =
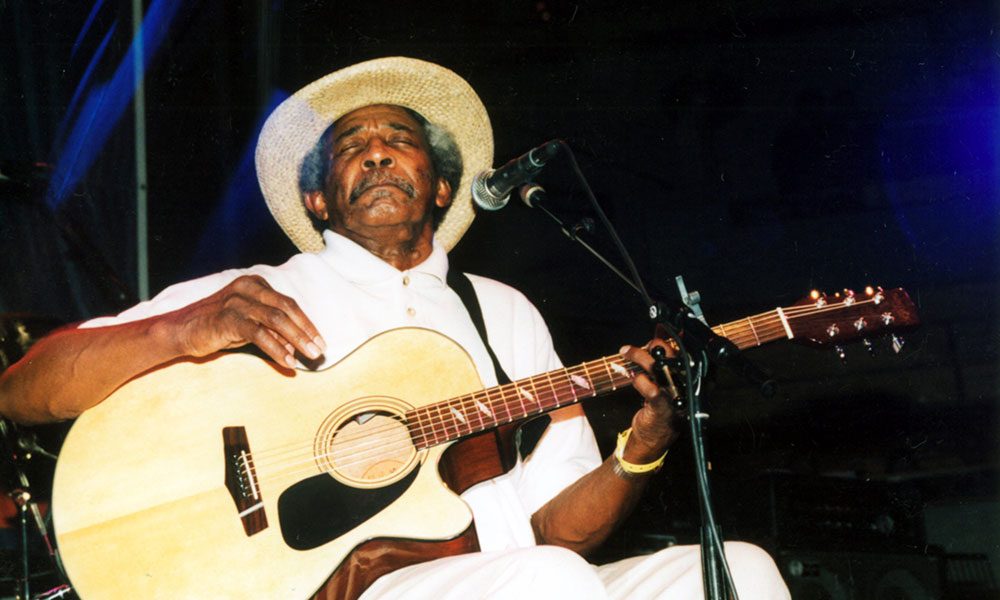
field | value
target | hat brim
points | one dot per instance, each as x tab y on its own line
435	92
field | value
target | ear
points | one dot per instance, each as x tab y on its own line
315	203
443	197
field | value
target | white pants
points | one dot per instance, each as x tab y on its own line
552	572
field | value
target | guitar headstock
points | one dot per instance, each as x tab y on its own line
847	316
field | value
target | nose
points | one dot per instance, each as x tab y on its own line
376	156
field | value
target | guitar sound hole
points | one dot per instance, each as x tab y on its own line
368	450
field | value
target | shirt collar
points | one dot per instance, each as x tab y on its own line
358	265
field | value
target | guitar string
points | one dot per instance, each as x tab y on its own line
349	448
401	445
505	393
775	330
502	394
792	313
558	396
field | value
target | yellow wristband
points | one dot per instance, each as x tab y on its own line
630	467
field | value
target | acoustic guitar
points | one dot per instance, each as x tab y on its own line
226	478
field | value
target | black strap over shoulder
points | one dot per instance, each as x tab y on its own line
529	433
459	282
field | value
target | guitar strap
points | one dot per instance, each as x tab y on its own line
527	435
461	285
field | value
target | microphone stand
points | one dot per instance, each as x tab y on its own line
698	341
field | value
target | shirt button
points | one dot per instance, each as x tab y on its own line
406	280
410	311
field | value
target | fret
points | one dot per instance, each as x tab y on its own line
582	380
520	398
413	429
554	391
572	383
621	370
607	369
460	421
484	410
753	331
475	408
427	426
534	396
505	415
774	323
442	421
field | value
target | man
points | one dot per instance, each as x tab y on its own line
388	185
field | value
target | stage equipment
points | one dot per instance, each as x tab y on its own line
825	575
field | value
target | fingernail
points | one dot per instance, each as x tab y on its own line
624	349
313	350
320	342
290	361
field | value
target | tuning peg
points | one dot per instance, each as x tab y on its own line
870	347
897	343
841	353
848	297
818	298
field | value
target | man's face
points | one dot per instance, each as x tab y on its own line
381	180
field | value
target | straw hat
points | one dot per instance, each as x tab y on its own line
438	94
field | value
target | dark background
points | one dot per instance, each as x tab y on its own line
761	149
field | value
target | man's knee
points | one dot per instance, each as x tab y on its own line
748	556
559	571
754	569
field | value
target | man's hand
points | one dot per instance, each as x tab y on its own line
584	514
652	426
247	311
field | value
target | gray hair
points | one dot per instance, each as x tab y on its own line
446	159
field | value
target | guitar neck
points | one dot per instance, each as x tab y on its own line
458	417
756	330
465	415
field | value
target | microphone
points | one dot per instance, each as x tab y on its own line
491	189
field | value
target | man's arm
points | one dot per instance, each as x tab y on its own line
583	515
72	370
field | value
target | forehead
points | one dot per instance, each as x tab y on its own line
374	117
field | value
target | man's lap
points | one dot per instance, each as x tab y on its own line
548	571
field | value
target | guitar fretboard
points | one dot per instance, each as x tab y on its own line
458	417
465	415
756	330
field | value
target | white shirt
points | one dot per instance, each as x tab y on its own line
351	295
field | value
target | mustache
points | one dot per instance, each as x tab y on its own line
374	178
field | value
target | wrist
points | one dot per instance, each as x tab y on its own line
635	459
641	451
164	335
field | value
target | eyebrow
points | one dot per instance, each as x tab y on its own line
357	128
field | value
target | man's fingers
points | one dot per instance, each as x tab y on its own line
646	383
280	351
284	316
288	347
278	313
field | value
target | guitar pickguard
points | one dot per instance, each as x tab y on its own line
319	509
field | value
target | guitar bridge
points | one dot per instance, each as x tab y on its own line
241	480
